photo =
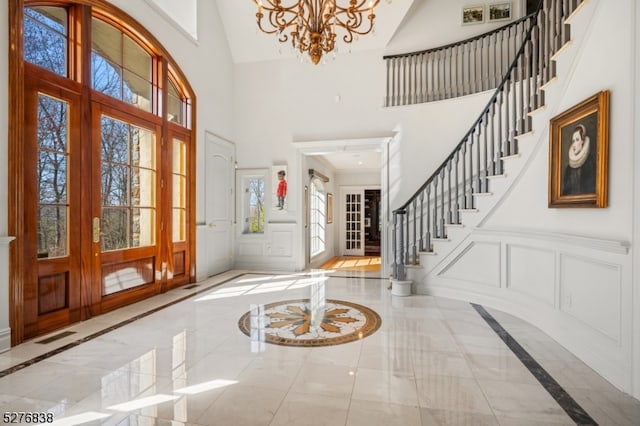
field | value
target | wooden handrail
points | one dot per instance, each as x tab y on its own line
460	43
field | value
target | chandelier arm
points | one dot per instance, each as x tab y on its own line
311	24
359	6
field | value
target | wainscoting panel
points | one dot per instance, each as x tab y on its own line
250	249
280	240
531	271
591	291
478	263
577	289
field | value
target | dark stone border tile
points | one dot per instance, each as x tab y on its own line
566	402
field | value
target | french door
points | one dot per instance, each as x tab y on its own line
107	221
352	207
53	192
126	208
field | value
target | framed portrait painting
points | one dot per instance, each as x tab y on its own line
579	154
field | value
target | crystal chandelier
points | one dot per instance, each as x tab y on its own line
311	24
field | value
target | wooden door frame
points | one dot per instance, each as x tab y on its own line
16	151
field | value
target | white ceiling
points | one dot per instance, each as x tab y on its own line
249	44
353	162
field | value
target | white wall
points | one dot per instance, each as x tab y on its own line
277	103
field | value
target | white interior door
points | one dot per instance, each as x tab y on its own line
352	207
219	202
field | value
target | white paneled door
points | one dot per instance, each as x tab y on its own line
219	202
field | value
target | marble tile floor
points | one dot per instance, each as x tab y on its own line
181	359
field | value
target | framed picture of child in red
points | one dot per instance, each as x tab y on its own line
279	186
579	154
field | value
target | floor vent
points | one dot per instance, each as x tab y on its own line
56	337
189	287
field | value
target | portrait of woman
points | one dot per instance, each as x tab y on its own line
580	172
579	154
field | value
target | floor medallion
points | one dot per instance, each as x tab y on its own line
306	322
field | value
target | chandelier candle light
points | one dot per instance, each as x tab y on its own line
311	24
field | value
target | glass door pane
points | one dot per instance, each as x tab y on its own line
128	202
353	223
52	169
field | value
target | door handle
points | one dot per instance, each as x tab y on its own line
96	230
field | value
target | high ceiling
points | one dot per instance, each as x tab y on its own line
248	44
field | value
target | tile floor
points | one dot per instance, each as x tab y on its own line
433	361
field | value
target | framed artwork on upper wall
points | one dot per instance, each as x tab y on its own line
472	14
579	154
499	11
329	207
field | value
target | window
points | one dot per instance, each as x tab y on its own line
45	38
120	67
253	206
178	106
179	228
52	176
317	218
128	185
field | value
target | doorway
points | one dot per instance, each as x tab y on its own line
372	222
361	221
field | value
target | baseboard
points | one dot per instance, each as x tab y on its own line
5	340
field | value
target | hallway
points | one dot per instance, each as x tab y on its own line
181	358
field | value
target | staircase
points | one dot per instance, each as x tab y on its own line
483	166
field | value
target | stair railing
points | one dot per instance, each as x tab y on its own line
462	68
465	173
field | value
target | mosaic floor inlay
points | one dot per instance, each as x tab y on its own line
308	322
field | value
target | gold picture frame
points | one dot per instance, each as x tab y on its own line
329	207
579	154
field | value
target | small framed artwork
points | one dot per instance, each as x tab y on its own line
499	11
329	207
579	154
279	185
472	15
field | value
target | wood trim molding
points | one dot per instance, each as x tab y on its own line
16	171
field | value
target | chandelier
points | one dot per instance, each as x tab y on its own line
311	24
